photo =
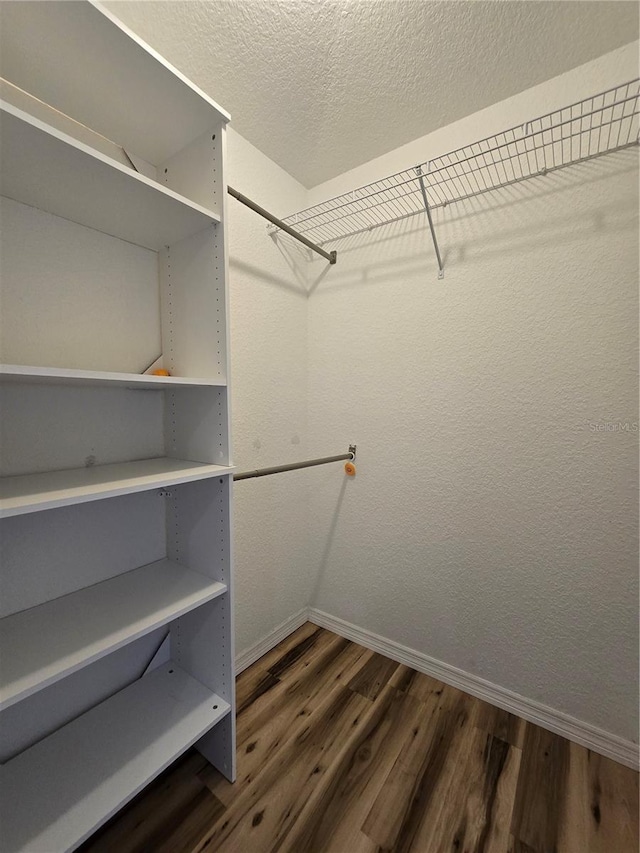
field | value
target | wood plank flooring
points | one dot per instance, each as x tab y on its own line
341	750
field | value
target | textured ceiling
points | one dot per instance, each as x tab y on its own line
321	86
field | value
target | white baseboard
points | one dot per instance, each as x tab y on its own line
598	740
252	654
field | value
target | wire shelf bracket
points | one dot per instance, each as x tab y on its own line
601	124
430	219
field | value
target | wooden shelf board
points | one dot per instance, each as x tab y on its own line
61	636
45	168
26	374
55	794
36	492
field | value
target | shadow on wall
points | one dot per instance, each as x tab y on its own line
259	274
326	551
298	257
479	228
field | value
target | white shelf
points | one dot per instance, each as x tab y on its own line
61	636
55	794
25	374
94	68
35	492
45	168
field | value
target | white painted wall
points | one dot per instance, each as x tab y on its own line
269	405
489	526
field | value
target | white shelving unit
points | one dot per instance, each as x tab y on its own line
115	484
35	492
23	374
47	169
45	807
63	635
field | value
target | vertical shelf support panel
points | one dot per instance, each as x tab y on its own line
199	535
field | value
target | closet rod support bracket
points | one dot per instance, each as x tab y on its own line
352	451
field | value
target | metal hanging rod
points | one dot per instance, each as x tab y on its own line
330	256
601	124
294	466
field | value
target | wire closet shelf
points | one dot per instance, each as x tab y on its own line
598	125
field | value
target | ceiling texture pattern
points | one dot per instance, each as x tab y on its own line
321	86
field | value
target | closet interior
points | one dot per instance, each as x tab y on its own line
477	544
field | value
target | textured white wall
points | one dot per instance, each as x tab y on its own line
321	86
489	526
269	400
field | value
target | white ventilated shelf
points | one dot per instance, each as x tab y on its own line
601	124
35	492
55	794
26	374
48	642
45	168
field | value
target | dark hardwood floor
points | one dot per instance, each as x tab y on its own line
341	750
